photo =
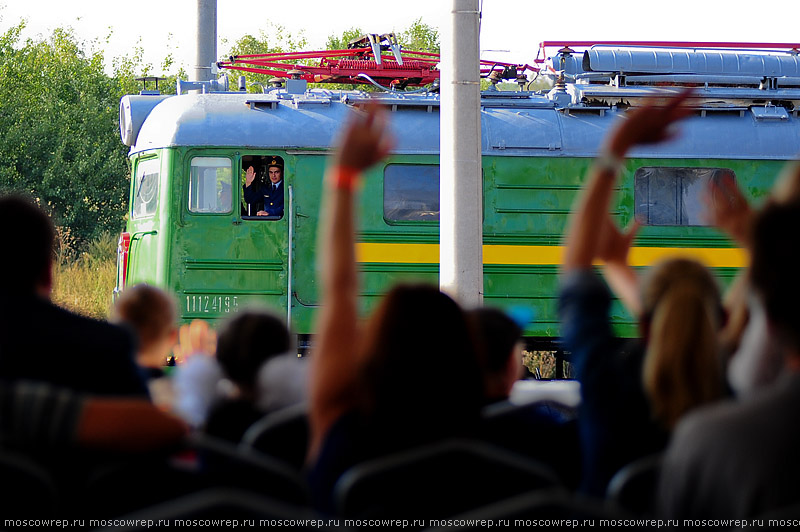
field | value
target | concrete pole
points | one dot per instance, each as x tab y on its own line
206	40
461	193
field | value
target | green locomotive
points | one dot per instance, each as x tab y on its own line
191	231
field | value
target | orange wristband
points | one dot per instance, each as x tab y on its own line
345	177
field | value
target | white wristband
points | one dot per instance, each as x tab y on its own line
608	162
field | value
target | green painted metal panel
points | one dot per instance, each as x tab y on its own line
308	191
218	263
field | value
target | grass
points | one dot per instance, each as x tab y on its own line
84	281
545	362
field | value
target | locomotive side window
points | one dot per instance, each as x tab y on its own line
210	185
145	188
262	187
673	196
411	192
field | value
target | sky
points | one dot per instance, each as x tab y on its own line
510	29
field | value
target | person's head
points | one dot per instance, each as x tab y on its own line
152	314
30	234
773	271
248	340
501	339
420	364
681	318
275	171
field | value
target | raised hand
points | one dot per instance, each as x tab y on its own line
366	139
196	338
249	176
649	124
613	244
613	248
728	208
645	125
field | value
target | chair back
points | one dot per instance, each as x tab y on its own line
30	489
225	464
283	434
634	486
437	480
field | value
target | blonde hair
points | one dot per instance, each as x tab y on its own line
682	368
150	311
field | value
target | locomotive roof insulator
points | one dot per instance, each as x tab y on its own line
563	55
509	72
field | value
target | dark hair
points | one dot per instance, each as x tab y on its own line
247	341
774	268
149	310
30	234
420	364
498	332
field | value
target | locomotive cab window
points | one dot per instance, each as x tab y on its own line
411	193
210	185
145	188
674	196
262	182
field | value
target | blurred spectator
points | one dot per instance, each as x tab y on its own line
37	415
632	397
152	314
736	460
258	357
501	361
224	384
42	342
411	374
198	373
541	430
754	360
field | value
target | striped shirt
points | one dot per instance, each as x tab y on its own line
38	414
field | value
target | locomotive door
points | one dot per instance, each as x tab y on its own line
228	260
307	191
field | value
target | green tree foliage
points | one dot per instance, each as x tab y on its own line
340	42
128	68
60	142
419	37
59	114
275	38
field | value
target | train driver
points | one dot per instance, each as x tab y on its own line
270	193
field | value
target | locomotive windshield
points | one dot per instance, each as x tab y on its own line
145	194
210	185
